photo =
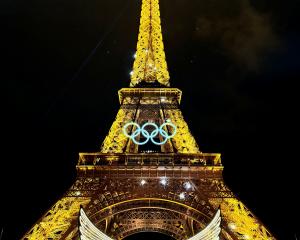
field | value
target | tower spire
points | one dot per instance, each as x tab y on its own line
150	64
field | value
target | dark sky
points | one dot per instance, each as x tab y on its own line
236	61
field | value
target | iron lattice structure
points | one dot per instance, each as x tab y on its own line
150	64
153	218
126	188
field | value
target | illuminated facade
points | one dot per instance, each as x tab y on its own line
166	184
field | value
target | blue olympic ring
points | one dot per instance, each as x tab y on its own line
149	136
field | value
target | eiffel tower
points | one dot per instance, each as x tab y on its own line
149	175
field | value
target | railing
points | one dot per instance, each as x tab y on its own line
150	92
149	159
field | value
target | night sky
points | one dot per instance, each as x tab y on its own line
236	61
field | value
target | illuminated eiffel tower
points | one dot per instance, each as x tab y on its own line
149	174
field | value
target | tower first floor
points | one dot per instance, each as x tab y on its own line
175	194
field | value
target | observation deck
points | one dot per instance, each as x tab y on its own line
150	165
173	93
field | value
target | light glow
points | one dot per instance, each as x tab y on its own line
182	196
232	226
163	181
187	185
143	182
78	193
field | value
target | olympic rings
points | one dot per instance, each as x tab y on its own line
149	135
